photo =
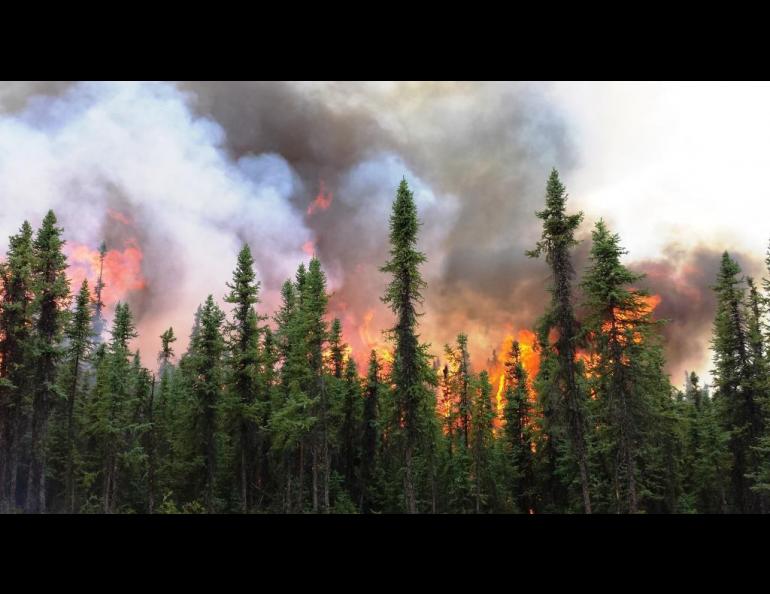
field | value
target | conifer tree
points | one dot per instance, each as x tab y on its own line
110	411
483	418
351	421
51	288
735	395
557	239
518	429
293	414
206	366
626	368
15	353
411	373
243	344
336	348
79	343
313	307
708	461
98	305
460	384
370	441
163	416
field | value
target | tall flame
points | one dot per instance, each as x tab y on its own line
626	321
122	272
384	353
530	359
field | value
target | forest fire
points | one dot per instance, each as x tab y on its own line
624	322
530	358
628	321
118	216
121	274
365	334
322	201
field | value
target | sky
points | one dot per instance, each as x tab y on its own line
176	176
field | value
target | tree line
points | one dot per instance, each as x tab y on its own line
272	415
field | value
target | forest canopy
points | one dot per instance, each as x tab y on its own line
269	412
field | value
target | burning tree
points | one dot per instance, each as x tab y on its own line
627	381
518	428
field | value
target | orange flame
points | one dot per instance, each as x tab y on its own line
118	216
308	247
530	359
625	321
322	201
122	272
365	334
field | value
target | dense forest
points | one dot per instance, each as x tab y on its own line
270	414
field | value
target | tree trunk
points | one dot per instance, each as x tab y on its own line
244	480
151	453
107	488
36	479
315	477
70	477
411	501
300	491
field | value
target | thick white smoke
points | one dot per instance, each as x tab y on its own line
137	149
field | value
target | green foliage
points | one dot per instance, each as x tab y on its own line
411	374
566	401
627	383
260	416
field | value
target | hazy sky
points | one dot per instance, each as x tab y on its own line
186	172
673	161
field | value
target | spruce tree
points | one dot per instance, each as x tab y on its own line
163	416
206	365
709	459
348	432
336	347
51	288
16	275
411	373
313	308
557	239
78	335
459	385
483	418
243	333
626	368
112	404
292	414
517	431
370	435
740	411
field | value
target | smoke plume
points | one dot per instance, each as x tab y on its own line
186	172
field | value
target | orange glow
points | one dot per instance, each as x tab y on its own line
322	201
122	271
618	328
118	216
499	397
372	343
308	247
627	321
530	359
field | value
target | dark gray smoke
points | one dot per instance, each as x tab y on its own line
200	167
477	155
684	279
